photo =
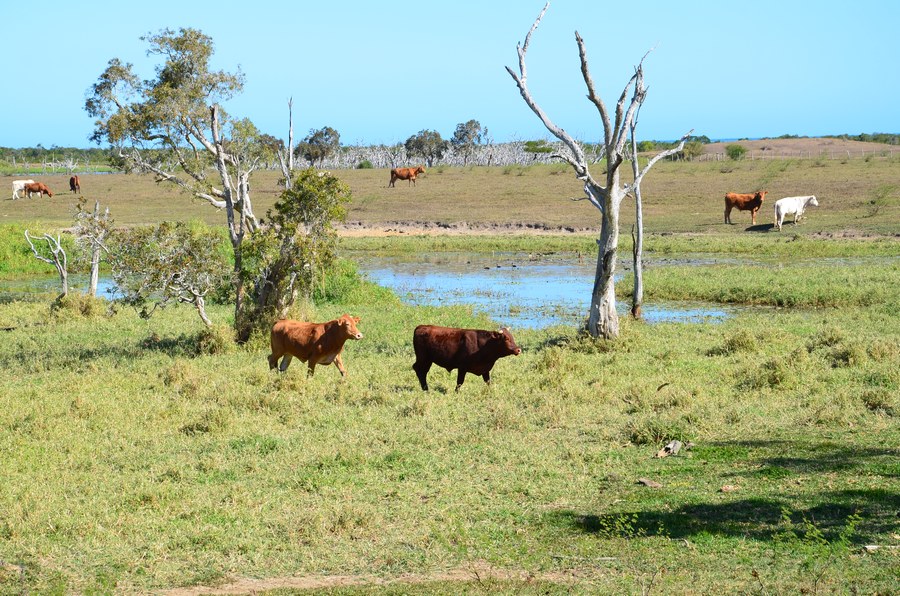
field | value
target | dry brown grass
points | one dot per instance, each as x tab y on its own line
857	196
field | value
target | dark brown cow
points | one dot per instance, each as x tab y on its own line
313	343
744	202
37	187
75	184
406	174
469	350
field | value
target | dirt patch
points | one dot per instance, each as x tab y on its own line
475	572
429	228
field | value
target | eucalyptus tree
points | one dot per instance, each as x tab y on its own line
607	195
428	144
173	126
466	137
319	145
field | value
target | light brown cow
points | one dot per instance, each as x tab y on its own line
37	187
313	343
74	184
744	202
406	174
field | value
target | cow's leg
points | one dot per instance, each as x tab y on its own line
487	377
421	369
311	370
460	377
728	214
753	216
340	365
285	362
273	361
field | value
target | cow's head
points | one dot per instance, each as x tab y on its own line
812	201
505	339
420	170
348	326
761	195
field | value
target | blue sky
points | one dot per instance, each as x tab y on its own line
380	71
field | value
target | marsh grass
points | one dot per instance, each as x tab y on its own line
136	461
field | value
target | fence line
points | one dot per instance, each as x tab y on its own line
832	155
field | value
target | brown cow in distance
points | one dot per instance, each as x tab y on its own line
75	184
37	187
313	343
406	174
469	350
744	202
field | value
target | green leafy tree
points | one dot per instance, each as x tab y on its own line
318	145
154	266
537	147
735	151
466	137
173	127
428	144
692	149
291	254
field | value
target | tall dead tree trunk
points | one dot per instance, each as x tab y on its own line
637	294
603	321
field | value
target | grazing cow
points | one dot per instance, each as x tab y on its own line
313	343
744	202
406	174
469	350
75	184
19	185
795	205
37	188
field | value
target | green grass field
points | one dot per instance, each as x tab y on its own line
139	457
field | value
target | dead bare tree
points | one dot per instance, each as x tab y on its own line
57	258
637	234
607	198
91	231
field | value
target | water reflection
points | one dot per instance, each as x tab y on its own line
520	290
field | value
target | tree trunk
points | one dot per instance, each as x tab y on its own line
95	271
637	235
603	320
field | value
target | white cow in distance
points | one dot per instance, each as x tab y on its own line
795	205
19	185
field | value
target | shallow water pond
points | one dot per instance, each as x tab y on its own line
519	289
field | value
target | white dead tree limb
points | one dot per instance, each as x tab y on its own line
91	231
606	196
637	231
57	258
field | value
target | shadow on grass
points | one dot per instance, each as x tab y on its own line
756	518
760	518
760	228
54	356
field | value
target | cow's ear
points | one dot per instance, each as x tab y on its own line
356	319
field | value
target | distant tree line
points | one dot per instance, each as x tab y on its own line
875	137
470	144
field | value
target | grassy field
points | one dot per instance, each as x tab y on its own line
856	197
139	456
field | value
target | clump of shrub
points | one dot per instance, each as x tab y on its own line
738	340
212	420
880	401
79	306
218	339
364	165
658	430
735	151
